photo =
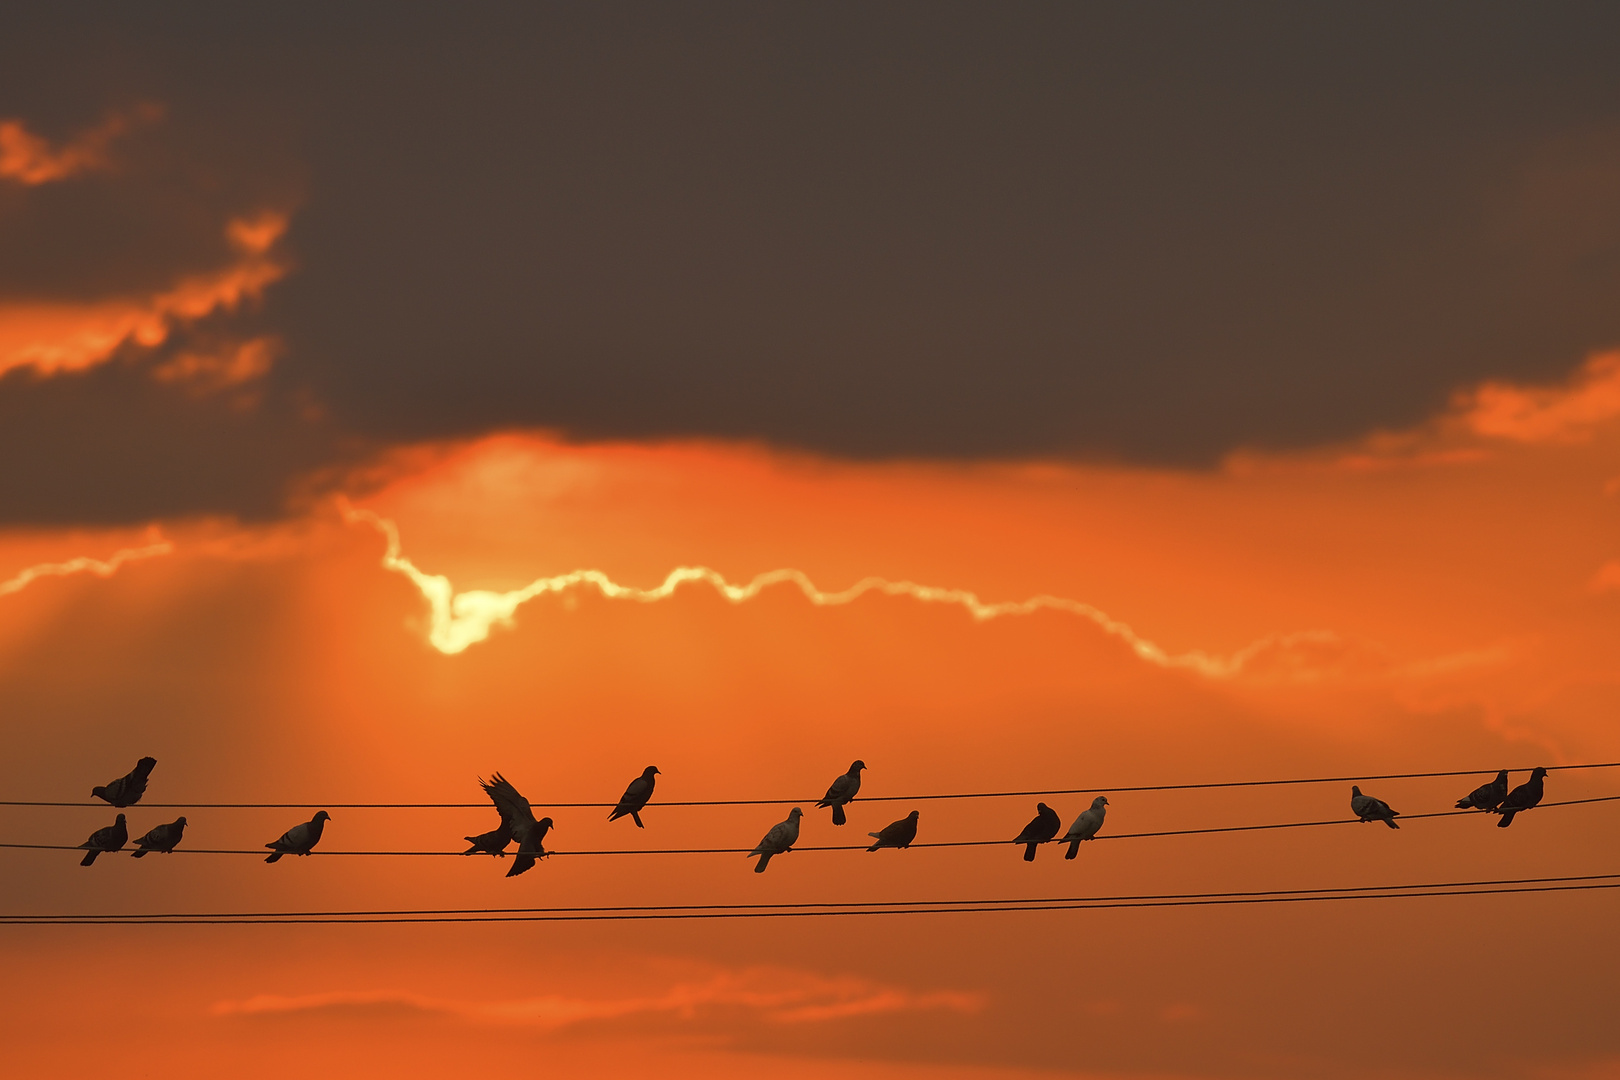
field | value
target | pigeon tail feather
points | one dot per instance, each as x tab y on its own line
1074	849
764	861
1507	819
1029	852
275	855
838	815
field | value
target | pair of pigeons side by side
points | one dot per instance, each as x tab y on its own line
124	792
1495	797
1045	824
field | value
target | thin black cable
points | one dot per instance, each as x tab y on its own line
830	904
848	847
863	798
787	914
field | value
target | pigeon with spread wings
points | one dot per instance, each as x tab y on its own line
517	818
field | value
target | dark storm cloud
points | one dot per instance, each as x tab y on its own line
1146	232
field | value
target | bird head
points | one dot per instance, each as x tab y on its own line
1041	807
120	819
1355	791
651	771
322	815
181	821
795	814
545	824
856	766
98	792
1099	801
1537	773
913	815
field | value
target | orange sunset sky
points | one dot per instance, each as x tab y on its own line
307	388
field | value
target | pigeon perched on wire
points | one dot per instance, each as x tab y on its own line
1486	796
1086	825
127	789
1368	808
491	843
781	838
163	838
301	838
843	791
112	838
517	817
1523	797
634	799
1041	828
896	834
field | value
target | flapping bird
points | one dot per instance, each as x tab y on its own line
164	838
896	834
1486	796
1086	825
517	818
1523	797
843	791
491	843
301	838
1368	808
1041	828
781	838
112	838
634	799
127	789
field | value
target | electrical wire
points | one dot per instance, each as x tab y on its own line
260	852
1113	788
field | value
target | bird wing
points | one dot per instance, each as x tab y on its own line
514	808
636	795
294	838
840	791
1031	831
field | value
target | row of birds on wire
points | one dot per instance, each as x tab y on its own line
519	825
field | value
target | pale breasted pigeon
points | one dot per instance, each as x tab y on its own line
128	789
1368	808
634	799
112	838
843	791
781	838
163	838
1486	796
518	818
1086	825
896	834
1042	827
1523	797
301	838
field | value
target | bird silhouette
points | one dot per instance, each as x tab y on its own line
1041	828
634	799
1086	825
163	838
112	838
517	818
492	843
1486	796
781	838
1368	808
896	834
301	838
127	789
1523	797
843	791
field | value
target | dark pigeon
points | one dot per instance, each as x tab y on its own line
843	791
634	799
1368	808
1041	828
163	838
517	818
301	838
127	790
897	834
112	838
781	838
491	843
1086	825
1486	796
1523	797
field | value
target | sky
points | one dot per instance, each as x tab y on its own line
1109	397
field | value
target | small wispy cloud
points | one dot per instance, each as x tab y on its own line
83	565
776	995
30	159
